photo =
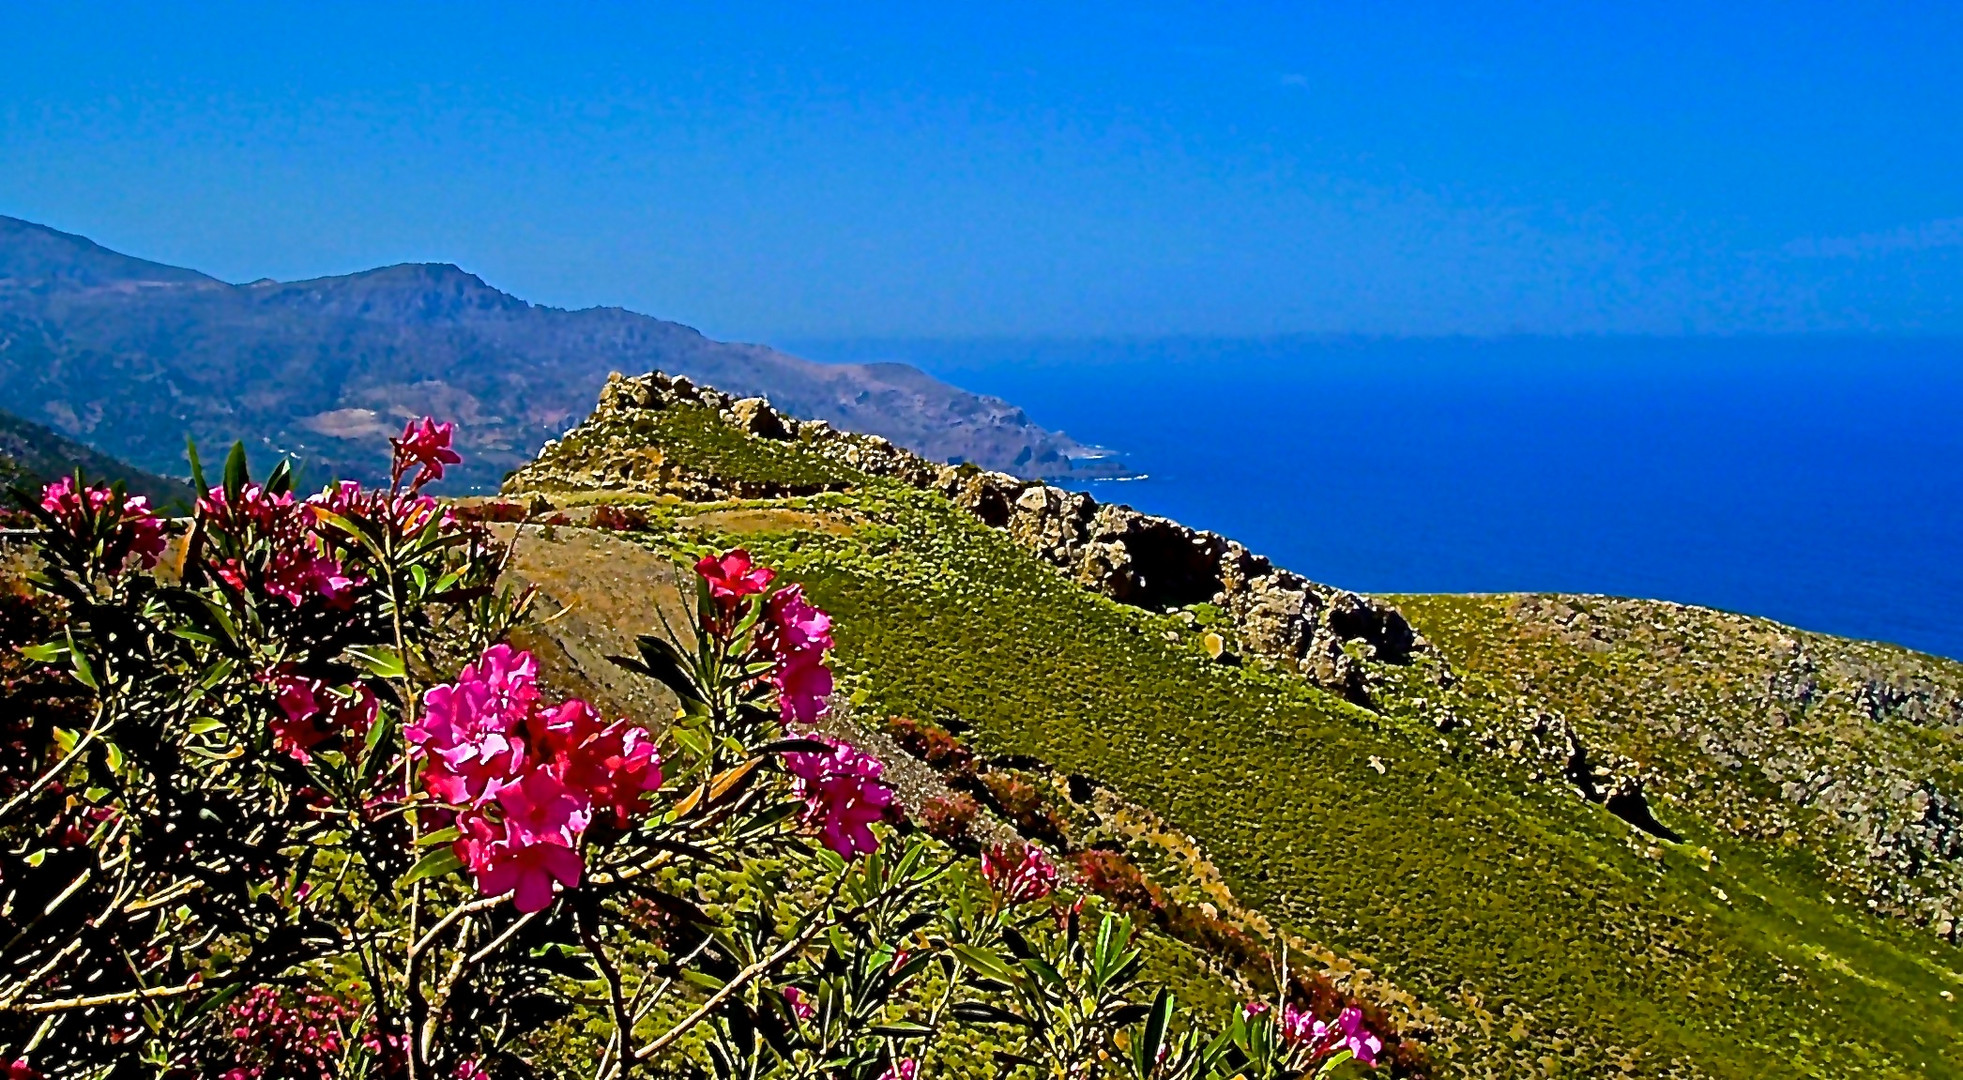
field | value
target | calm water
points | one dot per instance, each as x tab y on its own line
1812	481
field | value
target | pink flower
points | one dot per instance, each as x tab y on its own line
425	444
797	634
19	1069
527	872
611	765
540	809
528	779
1019	878
796	623
1353	1036
130	525
800	1003
804	687
1319	1039
902	1069
1254	1008
1300	1027
733	576
842	794
469	729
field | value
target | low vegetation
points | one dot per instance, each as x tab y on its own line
1509	925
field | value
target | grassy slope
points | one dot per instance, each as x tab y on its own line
1556	940
31	455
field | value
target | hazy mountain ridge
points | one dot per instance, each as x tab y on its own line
134	355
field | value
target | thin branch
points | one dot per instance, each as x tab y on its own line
125	997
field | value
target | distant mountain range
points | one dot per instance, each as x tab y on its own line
133	356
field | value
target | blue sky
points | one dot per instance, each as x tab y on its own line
805	171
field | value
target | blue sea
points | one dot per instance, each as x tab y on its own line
1815	481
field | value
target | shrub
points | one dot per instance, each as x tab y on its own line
1023	804
495	510
950	817
618	518
934	745
1114	877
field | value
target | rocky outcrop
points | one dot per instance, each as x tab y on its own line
1331	636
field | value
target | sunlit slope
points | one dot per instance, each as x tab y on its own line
1552	938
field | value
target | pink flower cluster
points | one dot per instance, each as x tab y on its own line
842	794
1321	1038
527	780
299	564
277	1039
135	524
798	635
310	714
903	1069
408	512
1019	878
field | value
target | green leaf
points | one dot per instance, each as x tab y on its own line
46	654
236	474
197	467
661	660
1145	1050
84	671
984	963
903	1031
206	726
440	836
381	661
354	532
435	864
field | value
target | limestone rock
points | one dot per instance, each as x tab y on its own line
755	416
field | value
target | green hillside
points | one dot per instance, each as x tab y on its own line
31	455
1511	926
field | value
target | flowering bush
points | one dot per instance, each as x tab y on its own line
306	812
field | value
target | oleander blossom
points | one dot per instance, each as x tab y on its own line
131	526
733	576
298	565
1019	876
527	779
799	1003
425	445
903	1069
843	795
303	1036
797	634
1319	1039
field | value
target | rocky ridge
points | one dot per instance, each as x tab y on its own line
1332	636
